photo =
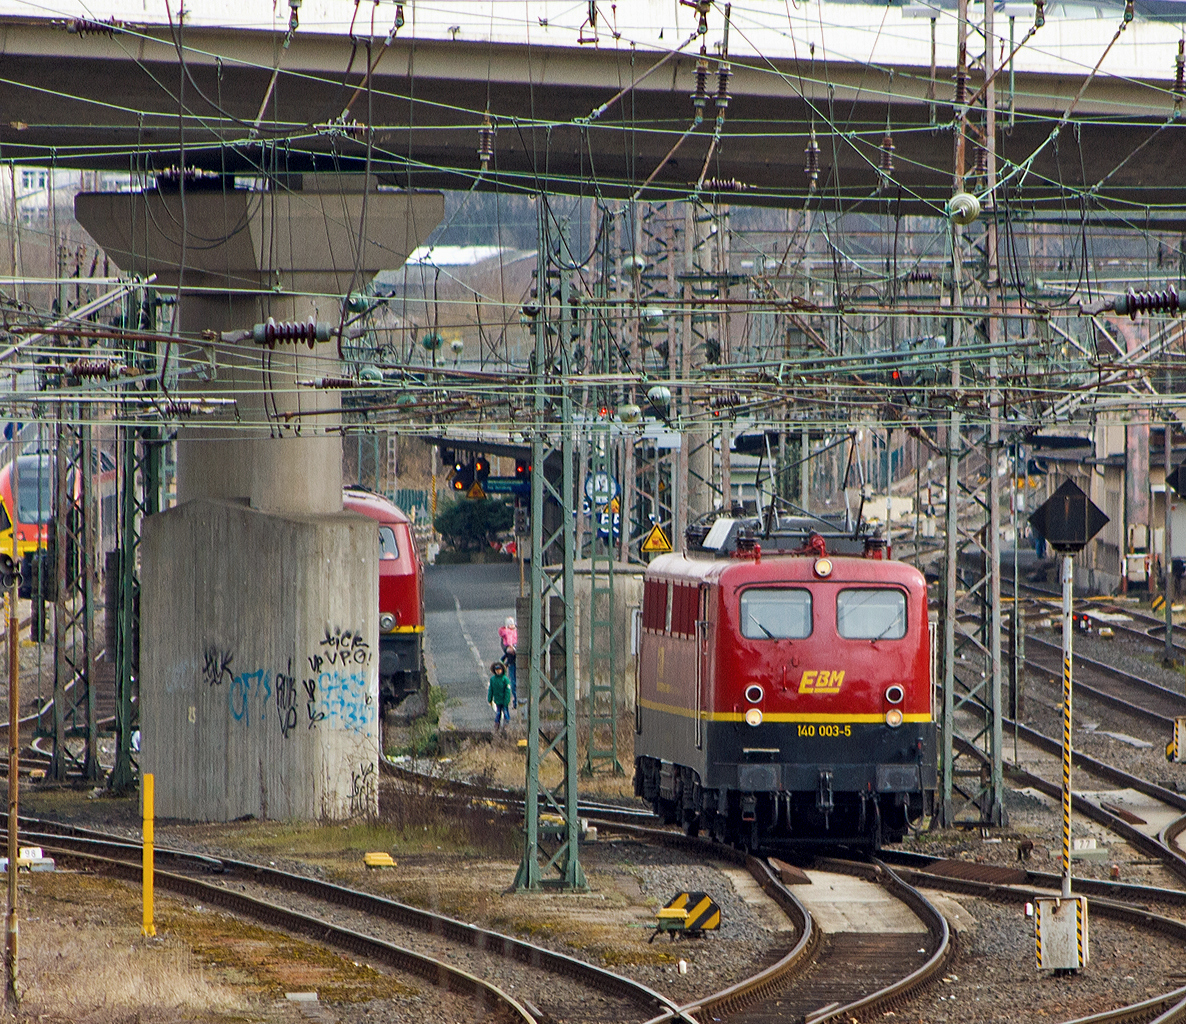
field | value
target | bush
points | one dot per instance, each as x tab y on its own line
469	525
423	736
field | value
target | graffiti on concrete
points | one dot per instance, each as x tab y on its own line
286	700
362	789
341	647
315	714
336	692
346	700
216	665
239	696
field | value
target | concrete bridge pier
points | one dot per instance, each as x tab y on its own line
259	598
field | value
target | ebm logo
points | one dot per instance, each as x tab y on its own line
821	681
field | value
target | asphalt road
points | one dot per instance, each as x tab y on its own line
463	607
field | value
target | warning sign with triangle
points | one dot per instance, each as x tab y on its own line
475	491
656	541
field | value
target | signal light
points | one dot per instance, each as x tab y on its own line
481	469
463	476
522	469
10	572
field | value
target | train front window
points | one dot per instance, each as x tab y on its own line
776	614
34	489
388	548
878	614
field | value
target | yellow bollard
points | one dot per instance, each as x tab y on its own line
147	927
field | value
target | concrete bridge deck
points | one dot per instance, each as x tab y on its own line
82	97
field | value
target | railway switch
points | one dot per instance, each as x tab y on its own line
689	913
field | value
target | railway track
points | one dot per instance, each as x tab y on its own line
823	977
510	799
1114	818
1114	901
285	900
818	978
1114	687
841	973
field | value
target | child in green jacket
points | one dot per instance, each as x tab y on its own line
498	693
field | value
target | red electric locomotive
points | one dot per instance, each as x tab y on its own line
785	696
401	596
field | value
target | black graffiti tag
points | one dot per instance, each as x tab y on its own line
342	647
315	716
286	700
216	667
362	789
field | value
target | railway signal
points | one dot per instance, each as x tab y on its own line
463	476
10	571
1068	519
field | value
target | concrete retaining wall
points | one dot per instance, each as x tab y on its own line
259	667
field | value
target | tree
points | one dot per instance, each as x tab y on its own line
469	525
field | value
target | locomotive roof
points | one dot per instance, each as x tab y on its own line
782	568
370	503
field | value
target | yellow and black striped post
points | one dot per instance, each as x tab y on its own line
1068	633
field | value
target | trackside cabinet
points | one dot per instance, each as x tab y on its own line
1060	932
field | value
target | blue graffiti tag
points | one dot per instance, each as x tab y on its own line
346	698
239	693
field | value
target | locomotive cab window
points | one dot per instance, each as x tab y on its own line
776	614
34	489
388	548
873	614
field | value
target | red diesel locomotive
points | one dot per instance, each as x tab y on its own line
401	596
786	697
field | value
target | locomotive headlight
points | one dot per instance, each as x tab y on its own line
386	622
894	694
823	567
754	716
753	693
893	717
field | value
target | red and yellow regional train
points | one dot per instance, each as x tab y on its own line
785	697
401	596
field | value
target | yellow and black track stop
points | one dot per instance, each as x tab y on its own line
691	913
